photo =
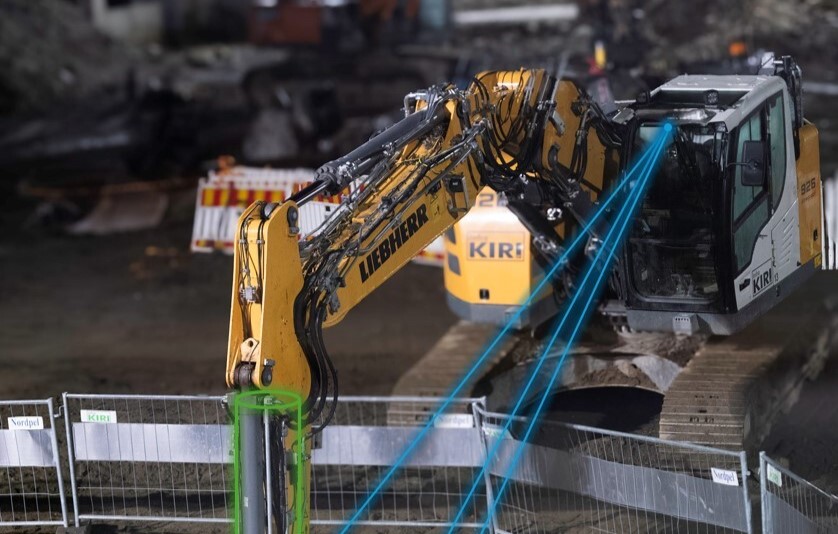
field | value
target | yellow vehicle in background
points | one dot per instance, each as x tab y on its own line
490	262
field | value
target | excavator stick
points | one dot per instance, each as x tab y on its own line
407	185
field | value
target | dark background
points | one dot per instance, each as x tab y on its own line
136	312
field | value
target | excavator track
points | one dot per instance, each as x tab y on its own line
727	392
434	375
734	388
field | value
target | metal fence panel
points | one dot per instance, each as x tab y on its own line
132	442
381	446
791	504
31	487
572	476
167	458
149	458
364	439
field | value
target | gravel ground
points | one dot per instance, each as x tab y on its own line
138	313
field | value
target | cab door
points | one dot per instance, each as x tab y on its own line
785	237
764	237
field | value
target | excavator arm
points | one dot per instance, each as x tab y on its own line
538	141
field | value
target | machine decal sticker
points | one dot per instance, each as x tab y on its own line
808	187
393	242
496	246
763	277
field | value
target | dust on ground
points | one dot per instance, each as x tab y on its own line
137	313
67	61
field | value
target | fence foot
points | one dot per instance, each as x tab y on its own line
83	529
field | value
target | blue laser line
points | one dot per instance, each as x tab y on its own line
488	350
534	374
667	129
541	360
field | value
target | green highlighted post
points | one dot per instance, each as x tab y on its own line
249	409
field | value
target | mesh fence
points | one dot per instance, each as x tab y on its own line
791	504
367	436
31	487
580	479
166	458
149	457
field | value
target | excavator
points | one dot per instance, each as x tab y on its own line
731	224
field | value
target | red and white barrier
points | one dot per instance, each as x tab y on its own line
224	195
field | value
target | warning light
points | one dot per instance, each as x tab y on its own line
737	49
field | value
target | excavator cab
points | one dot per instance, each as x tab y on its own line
732	222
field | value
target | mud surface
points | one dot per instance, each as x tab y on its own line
137	313
805	438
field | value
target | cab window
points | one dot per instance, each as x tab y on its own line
751	209
743	195
777	146
753	205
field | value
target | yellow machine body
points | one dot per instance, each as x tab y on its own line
384	253
514	131
266	346
810	196
490	267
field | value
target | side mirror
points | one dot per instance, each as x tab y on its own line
753	163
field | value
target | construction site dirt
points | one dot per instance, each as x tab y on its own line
137	313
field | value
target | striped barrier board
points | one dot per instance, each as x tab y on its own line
433	254
224	194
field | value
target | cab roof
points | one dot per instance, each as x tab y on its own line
706	82
737	95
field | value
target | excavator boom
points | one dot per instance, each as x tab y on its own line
403	188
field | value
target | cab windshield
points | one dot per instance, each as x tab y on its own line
672	249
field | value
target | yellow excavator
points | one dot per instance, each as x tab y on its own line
697	265
730	226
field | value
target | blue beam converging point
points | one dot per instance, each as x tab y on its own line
482	359
624	214
592	294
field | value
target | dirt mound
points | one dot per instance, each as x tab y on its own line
50	52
